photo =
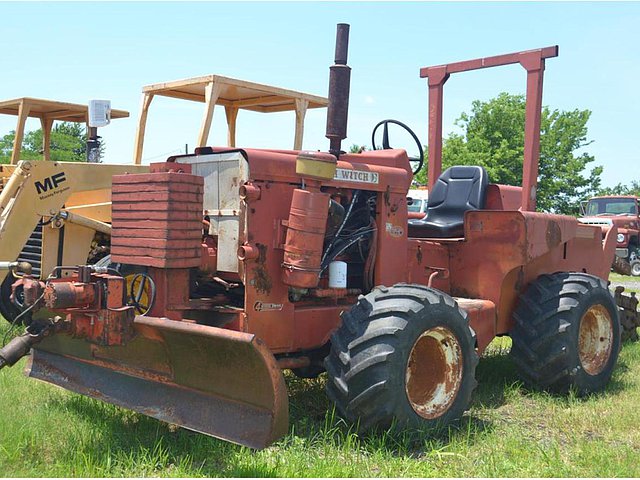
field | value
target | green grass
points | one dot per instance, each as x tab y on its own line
508	432
631	284
46	431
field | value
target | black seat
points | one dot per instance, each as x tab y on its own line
458	190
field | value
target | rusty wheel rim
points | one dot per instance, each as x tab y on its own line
434	372
595	339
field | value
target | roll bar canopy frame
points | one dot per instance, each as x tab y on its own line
47	111
533	62
233	95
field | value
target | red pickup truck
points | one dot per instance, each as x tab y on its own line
621	210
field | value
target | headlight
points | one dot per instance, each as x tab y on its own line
620	238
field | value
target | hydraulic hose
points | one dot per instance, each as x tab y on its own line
354	199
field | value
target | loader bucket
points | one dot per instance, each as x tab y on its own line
211	380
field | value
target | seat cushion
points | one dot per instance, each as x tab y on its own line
458	190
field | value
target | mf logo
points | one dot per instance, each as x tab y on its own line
50	182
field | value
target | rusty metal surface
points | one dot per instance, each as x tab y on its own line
503	251
172	292
262	275
434	372
481	315
219	382
294	362
503	197
209	259
287	326
595	339
379	170
31	287
334	292
94	310
62	295
339	80
305	237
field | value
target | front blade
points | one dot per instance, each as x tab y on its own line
215	381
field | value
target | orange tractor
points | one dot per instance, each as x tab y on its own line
308	261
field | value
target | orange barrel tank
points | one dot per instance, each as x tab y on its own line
305	238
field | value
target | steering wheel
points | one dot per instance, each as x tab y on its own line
385	141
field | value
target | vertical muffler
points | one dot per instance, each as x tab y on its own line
309	205
339	81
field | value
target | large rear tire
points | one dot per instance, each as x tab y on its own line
404	353
566	333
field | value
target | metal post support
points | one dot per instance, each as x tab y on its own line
534	64
142	125
93	146
437	79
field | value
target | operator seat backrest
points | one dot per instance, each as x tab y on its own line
458	190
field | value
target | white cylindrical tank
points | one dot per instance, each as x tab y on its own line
338	274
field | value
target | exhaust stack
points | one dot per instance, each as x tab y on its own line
339	80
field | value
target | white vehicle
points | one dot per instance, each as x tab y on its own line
418	199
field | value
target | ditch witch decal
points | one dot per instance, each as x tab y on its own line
349	175
52	185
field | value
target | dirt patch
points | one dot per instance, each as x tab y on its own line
630	283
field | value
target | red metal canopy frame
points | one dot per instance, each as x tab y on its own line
533	63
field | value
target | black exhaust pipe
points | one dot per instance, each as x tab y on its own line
339	80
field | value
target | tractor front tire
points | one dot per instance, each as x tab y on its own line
404	353
635	267
566	333
634	260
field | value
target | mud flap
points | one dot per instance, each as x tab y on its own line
211	380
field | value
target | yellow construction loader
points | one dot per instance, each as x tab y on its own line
51	213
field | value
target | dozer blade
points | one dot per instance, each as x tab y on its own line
214	381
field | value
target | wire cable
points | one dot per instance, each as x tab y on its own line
15	320
354	199
137	296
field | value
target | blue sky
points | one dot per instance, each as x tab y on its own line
78	51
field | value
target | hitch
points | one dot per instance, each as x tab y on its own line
17	268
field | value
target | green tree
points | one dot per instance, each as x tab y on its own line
68	144
493	136
632	189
